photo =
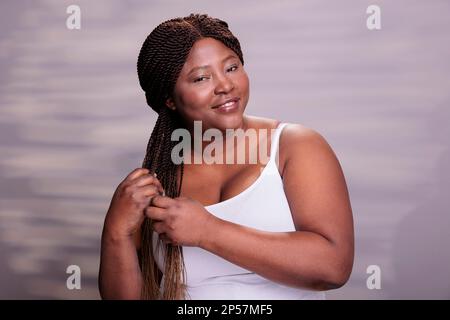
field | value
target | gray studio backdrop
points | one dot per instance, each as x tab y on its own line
73	123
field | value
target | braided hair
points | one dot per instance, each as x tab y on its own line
159	64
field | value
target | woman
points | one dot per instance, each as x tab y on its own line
281	229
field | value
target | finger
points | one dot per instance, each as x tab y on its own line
159	227
155	213
147	180
144	180
162	201
137	173
149	191
159	184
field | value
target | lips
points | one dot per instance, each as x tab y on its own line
223	104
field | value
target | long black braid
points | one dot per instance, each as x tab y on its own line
159	64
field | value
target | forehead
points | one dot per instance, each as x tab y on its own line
207	51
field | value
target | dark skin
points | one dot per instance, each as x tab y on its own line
318	255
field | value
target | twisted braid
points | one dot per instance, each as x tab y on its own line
159	64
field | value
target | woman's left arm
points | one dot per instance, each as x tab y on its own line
319	255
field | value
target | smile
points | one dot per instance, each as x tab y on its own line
227	107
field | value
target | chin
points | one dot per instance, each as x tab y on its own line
229	121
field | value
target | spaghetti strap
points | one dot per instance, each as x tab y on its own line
275	143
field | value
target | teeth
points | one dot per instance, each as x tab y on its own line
227	104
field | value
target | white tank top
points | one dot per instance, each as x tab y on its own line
264	206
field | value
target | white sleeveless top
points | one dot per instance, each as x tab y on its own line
263	205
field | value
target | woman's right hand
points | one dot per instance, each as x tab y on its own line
126	212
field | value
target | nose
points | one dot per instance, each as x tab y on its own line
223	85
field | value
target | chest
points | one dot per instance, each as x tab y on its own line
211	184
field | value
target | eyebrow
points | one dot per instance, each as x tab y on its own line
207	66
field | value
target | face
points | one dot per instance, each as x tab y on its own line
211	75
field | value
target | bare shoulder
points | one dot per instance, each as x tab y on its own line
298	133
257	122
303	145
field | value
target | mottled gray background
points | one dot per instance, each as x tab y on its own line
74	122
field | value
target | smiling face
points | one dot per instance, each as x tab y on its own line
211	75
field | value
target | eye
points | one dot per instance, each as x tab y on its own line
233	66
200	79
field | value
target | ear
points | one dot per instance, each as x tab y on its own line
170	104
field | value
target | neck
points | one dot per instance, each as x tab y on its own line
220	145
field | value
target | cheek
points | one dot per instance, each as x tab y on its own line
242	81
193	97
243	84
192	102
